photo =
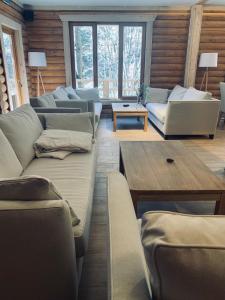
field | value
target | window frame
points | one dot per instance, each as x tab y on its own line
121	26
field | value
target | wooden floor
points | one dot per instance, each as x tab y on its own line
94	278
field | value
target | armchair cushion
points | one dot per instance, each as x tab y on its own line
22	127
71	93
60	94
32	188
156	95
77	122
185	255
46	100
9	163
88	94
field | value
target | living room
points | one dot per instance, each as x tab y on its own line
112	156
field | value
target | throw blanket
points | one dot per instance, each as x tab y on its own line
60	143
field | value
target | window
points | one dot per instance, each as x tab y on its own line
11	64
109	56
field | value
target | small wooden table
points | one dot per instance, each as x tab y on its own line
151	178
133	110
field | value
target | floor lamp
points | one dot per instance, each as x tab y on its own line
207	60
38	59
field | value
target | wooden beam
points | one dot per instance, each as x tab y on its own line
193	45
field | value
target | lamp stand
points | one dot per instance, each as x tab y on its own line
39	79
205	79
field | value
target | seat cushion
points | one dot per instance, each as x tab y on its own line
22	128
158	110
185	255
74	178
9	163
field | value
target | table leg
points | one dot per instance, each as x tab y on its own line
135	200
114	121
220	206
146	122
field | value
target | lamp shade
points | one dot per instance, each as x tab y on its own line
208	60
37	59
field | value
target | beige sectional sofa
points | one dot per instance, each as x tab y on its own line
41	254
176	114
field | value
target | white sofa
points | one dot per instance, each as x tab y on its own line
185	117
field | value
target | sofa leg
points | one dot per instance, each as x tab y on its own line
211	136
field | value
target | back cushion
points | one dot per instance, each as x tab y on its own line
193	94
185	255
9	163
88	94
156	95
177	93
71	93
46	100
77	122
22	128
60	94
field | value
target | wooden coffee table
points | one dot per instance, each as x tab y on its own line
151	178
133	110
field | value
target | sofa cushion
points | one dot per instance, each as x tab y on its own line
156	95
185	255
193	94
71	93
9	163
159	110
22	127
46	100
88	94
177	93
77	122
60	94
32	188
74	177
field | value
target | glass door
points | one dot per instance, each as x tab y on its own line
12	68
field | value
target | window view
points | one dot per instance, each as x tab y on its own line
83	54
108	56
132	48
11	66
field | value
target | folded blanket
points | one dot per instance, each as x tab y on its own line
60	143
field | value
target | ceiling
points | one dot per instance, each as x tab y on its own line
64	3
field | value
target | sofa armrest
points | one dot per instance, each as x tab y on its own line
37	251
127	267
56	110
191	116
83	105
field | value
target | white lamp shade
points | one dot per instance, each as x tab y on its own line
208	60
37	59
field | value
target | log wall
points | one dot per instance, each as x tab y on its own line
213	40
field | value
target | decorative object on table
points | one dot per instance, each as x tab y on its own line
207	60
126	105
38	59
170	160
141	94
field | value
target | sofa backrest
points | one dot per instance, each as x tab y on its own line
9	163
22	128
